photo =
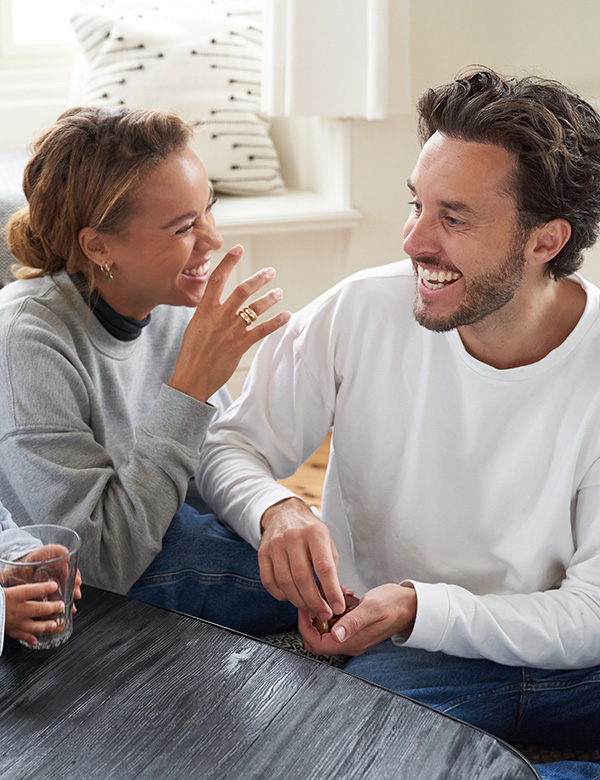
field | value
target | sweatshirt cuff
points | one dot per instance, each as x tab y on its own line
258	506
180	417
433	611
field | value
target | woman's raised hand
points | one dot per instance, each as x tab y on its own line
218	335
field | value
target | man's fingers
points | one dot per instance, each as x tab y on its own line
326	571
267	577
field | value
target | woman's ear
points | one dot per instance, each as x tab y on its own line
545	242
93	245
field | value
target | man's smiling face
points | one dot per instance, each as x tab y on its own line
462	234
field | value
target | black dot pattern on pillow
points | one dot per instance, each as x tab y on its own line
201	60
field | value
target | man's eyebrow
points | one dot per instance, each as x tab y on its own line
456	205
451	205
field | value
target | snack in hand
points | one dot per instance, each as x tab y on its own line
325	626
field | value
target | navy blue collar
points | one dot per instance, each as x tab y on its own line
122	328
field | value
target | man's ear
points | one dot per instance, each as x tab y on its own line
545	242
93	245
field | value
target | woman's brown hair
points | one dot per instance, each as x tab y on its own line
83	173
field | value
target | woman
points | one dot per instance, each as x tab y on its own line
114	346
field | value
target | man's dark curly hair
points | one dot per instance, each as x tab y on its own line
554	135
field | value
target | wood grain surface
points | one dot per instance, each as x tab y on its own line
141	692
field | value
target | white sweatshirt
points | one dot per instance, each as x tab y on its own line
479	485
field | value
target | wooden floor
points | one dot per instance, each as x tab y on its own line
307	482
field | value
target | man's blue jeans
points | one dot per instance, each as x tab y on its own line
536	706
206	570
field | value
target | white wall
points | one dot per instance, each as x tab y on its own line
516	37
548	37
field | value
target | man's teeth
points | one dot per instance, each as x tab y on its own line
434	280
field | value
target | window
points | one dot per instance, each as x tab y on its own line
34	27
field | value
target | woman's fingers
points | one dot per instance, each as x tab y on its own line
258	332
220	275
262	304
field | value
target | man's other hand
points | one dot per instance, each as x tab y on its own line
382	612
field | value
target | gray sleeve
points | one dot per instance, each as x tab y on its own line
121	513
57	432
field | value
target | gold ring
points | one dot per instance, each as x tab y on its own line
248	315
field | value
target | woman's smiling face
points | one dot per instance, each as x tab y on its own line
163	254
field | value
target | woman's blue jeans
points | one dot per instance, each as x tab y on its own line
206	570
519	705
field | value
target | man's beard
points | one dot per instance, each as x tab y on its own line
484	295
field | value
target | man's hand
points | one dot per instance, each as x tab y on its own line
382	612
296	546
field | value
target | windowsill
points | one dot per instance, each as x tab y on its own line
292	210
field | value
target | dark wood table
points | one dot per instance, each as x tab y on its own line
142	692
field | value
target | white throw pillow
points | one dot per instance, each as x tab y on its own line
201	60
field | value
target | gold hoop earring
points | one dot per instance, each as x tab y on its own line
106	270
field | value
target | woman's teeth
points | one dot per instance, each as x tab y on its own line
434	280
198	271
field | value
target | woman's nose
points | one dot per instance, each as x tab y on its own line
210	236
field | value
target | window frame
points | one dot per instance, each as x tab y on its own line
13	54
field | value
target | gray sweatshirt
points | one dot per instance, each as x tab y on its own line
91	437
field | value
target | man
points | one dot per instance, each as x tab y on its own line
462	497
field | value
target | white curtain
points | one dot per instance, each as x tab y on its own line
329	58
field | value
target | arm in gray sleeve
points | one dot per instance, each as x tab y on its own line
56	433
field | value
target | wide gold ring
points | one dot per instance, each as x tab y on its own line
248	315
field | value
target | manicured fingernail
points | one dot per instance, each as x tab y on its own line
277	294
236	250
339	632
269	272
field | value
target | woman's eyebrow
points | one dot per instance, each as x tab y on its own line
181	218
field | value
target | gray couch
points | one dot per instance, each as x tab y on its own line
11	197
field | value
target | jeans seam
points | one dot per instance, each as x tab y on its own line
505	689
151	580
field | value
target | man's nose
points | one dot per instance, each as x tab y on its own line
420	237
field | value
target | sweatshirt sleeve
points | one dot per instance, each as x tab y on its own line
55	462
553	629
258	440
